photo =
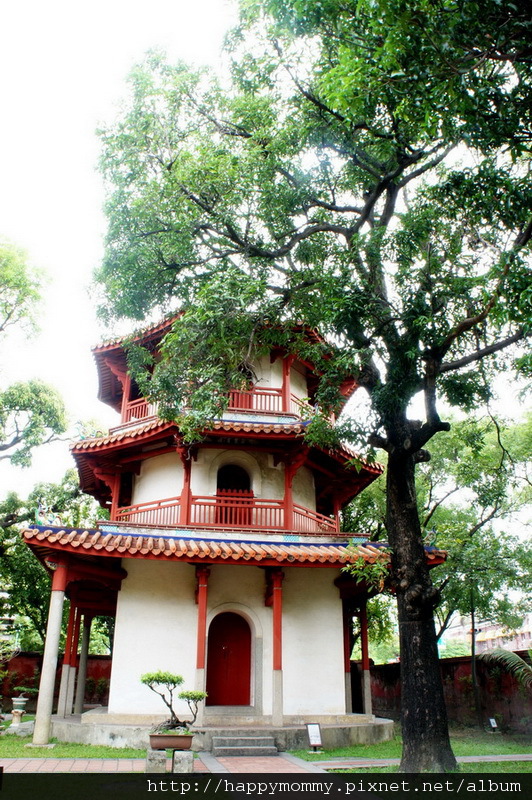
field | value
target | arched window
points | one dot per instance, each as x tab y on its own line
231	477
234	505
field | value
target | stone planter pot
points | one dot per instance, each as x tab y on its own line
19	703
170	741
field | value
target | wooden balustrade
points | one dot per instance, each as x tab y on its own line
160	512
226	511
309	521
263	401
139	409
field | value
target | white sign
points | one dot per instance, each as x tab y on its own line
314	734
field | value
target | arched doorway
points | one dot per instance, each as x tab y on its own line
229	661
235	497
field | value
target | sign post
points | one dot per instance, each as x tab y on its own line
314	737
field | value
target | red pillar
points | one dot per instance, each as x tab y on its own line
202	576
277	607
364	636
115	492
43	715
288	496
347	623
126	389
287	386
184	510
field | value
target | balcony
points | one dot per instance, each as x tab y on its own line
260	401
236	512
266	401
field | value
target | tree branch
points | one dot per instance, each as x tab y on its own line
485	351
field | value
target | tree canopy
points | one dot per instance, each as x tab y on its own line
361	171
19	288
31	413
474	501
23	578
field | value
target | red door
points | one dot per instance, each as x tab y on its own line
229	661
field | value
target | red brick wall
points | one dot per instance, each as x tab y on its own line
501	696
21	672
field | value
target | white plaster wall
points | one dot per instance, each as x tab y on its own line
155	630
266	480
160	477
263	373
313	666
276	372
298	380
303	490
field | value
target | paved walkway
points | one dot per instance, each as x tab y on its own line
206	763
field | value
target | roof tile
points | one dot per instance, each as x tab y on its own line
171	548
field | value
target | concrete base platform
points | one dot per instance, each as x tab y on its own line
295	737
349	729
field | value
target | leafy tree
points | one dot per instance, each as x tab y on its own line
23	577
474	490
362	173
19	288
31	413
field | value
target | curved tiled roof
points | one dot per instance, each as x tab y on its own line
125	435
175	547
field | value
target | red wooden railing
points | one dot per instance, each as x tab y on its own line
139	409
160	512
227	511
309	521
234	512
264	401
269	401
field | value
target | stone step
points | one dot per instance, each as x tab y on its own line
252	752
243	746
243	741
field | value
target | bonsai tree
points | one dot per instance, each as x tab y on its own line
165	684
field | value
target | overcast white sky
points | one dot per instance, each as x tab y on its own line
63	67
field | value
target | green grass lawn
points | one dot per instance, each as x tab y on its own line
465	742
15	747
513	767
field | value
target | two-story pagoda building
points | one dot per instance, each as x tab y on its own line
222	561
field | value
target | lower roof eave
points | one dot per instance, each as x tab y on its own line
174	546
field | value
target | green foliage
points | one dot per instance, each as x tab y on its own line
374	574
165	684
31	414
471	495
512	663
19	288
296	194
23	577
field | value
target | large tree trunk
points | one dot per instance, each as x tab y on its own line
426	745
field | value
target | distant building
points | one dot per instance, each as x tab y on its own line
489	635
